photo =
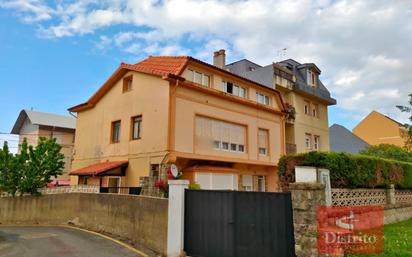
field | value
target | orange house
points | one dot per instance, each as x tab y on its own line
221	130
377	128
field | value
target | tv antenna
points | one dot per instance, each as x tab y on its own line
281	53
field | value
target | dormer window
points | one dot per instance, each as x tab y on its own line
312	78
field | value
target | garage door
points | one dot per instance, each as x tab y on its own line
217	181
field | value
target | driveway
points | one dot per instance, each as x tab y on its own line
57	242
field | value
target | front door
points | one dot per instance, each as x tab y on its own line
114	184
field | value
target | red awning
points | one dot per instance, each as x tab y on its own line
99	168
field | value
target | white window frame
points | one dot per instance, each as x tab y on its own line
316	142
236	88
192	74
265	150
308	141
262	98
263	180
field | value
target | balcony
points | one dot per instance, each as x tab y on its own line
290	148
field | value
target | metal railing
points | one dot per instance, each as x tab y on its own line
121	190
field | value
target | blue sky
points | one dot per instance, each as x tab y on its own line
55	54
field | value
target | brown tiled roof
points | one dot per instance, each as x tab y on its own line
161	65
99	168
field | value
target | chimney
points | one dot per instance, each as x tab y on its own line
219	58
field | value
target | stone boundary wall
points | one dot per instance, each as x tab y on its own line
137	219
308	197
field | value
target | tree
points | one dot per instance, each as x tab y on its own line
407	132
8	177
38	165
32	168
388	151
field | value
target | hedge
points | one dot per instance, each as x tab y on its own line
349	170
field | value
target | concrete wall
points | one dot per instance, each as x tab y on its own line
143	220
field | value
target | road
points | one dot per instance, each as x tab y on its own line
57	242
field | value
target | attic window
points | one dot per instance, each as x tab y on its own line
312	78
252	69
234	89
127	84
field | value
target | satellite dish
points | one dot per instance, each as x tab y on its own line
174	170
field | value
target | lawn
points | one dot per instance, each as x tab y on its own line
398	241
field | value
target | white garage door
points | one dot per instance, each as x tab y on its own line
217	181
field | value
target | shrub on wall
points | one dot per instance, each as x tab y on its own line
349	170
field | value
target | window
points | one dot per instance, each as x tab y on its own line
115	137
316	142
262	99
263	141
127	84
241	148
307	107
219	135
136	127
154	170
233	89
308	141
261	184
312	78
247	182
315	110
199	78
225	146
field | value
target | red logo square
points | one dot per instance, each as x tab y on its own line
350	229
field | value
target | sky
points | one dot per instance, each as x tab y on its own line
55	54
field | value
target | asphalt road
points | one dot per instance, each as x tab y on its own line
57	242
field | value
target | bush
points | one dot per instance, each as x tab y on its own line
388	151
349	170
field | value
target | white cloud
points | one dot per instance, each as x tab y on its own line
30	10
362	46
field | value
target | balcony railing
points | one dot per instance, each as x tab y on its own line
290	148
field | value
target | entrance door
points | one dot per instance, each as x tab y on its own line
114	184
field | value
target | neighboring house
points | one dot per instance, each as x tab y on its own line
301	89
343	140
33	124
173	110
377	128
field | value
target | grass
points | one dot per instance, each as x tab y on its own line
398	241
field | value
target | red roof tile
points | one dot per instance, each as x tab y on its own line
161	65
98	168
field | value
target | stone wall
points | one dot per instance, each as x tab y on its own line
141	220
308	197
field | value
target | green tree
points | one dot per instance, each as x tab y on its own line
388	151
407	132
8	177
38	165
32	168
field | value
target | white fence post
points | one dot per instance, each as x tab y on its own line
176	213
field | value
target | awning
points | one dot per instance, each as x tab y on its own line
103	168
